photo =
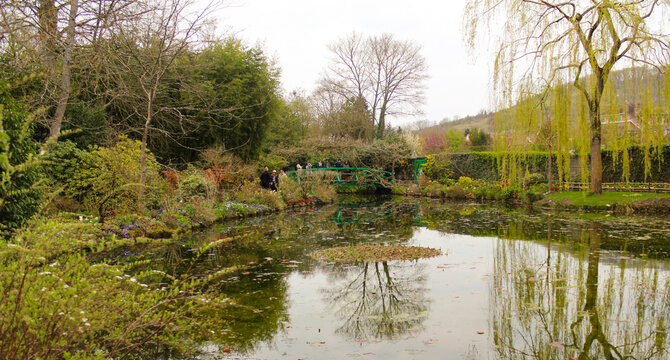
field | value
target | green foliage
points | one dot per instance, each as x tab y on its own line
534	177
606	199
108	178
479	139
91	118
194	184
240	84
252	193
62	162
382	154
189	212
273	162
19	161
292	123
352	120
58	303
308	184
438	167
639	168
533	193
454	141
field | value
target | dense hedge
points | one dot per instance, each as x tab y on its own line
660	172
486	166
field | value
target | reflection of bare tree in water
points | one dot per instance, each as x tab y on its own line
375	303
558	305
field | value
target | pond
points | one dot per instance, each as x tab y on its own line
510	284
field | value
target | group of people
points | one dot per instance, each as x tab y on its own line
270	180
323	165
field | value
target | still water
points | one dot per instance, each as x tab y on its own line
511	284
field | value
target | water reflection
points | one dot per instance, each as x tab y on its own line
557	286
578	306
378	300
363	213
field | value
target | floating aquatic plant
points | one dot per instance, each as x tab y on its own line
374	253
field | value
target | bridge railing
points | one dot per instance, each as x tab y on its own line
347	175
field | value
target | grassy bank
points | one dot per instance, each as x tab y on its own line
610	200
465	188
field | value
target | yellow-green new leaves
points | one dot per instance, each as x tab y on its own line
577	42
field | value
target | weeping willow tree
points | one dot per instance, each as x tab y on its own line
546	44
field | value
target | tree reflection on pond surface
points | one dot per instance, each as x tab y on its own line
374	302
577	304
513	284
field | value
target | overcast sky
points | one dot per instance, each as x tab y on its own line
296	33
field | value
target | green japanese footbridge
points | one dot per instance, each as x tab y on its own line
348	176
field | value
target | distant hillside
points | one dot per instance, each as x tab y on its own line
483	121
629	97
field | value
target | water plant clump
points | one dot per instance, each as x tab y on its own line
374	253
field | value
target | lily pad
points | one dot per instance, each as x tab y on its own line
374	253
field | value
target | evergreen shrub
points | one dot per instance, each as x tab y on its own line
19	167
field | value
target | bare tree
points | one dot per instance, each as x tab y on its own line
140	58
388	73
51	31
575	41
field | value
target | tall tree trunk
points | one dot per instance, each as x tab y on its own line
143	159
596	136
65	85
596	162
48	28
549	172
382	122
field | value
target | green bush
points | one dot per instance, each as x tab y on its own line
532	195
455	192
93	118
658	170
273	162
252	193
388	154
20	175
308	185
507	193
438	167
62	161
108	179
194	184
58	304
534	177
434	189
